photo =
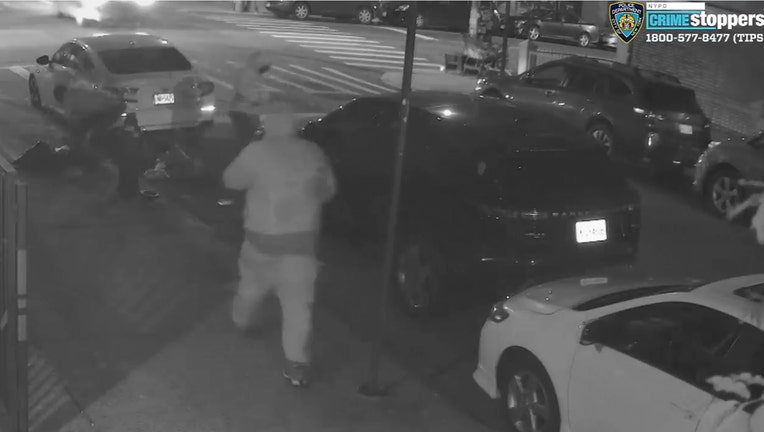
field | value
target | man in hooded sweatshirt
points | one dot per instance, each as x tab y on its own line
286	180
246	105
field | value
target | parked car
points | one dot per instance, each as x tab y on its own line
565	26
103	11
619	353
517	22
639	115
447	15
156	80
362	11
722	165
489	189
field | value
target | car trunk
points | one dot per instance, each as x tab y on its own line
677	117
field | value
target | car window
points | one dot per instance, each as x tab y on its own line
144	60
584	80
617	87
550	77
62	55
80	59
685	340
570	17
667	97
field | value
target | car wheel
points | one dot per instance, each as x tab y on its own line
534	33
603	133
584	40
527	394
418	276
301	11
364	15
34	93
723	192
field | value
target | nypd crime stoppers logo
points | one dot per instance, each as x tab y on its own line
627	19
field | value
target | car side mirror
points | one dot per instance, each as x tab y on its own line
43	60
594	332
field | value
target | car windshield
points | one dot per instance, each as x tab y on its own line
144	60
667	97
622	296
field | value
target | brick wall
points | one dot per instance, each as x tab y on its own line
725	76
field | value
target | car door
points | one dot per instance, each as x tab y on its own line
646	368
570	26
552	25
49	74
575	101
615	99
539	87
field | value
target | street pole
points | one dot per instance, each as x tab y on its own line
474	18
372	386
504	40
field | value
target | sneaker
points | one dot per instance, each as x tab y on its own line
297	374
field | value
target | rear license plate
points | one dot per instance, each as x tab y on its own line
685	129
591	231
164	98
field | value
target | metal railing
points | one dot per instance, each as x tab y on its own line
13	297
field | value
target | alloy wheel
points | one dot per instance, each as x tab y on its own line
301	11
583	40
365	16
415	278
603	137
725	193
34	93
528	405
534	33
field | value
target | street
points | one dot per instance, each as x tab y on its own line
318	65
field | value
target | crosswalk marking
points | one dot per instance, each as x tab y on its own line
352	78
351	50
329	77
290	83
420	36
47	391
309	78
382	66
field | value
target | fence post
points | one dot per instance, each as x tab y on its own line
523	58
21	307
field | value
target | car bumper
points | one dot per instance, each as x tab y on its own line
489	352
667	149
164	118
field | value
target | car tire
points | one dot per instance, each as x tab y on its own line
34	93
418	276
536	386
534	33
364	15
301	11
721	191
603	133
584	40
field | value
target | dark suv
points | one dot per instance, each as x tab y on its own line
639	115
362	11
483	196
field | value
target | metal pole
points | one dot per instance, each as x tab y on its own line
11	222
504	40
371	387
21	297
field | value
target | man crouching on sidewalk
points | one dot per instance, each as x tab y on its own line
287	180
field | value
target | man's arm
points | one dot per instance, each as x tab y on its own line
753	201
326	183
240	174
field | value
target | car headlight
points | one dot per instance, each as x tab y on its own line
499	312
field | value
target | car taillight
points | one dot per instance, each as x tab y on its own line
499	312
125	93
512	214
649	114
205	88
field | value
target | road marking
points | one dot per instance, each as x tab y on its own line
342	81
47	391
324	43
290	28
229	86
321	36
388	51
346	76
399	61
309	78
397	30
20	71
364	54
381	66
290	83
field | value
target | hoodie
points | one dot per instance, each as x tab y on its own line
286	180
249	92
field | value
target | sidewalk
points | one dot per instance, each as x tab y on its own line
130	304
433	81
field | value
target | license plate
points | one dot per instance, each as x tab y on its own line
591	231
164	98
685	129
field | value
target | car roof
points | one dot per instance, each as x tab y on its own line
741	297
635	72
115	41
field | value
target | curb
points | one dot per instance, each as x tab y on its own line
422	81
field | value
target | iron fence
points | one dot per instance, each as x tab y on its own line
13	297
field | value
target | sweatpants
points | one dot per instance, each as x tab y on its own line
292	278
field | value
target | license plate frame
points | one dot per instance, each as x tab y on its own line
685	129
591	231
164	98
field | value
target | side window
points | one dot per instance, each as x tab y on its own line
570	17
62	55
745	353
550	77
81	59
616	87
684	340
584	80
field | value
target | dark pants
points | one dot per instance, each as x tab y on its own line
127	155
245	126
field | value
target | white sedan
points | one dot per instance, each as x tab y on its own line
157	81
619	354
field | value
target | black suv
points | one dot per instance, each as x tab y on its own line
482	195
639	115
